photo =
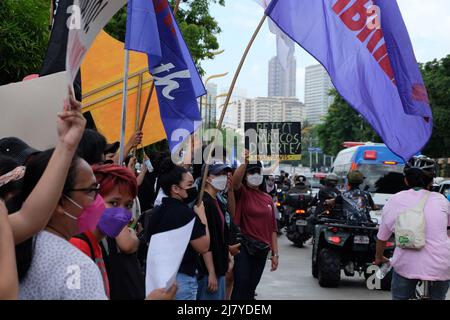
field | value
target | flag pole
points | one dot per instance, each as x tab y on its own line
152	88
124	107
144	115
227	101
175	10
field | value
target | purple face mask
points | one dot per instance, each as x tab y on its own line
113	220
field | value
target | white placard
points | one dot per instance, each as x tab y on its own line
165	253
29	109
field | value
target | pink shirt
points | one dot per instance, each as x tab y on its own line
432	262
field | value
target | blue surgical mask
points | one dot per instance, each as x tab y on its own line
149	165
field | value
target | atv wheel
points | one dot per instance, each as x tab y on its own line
298	244
329	268
314	269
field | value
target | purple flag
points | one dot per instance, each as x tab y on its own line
372	66
151	28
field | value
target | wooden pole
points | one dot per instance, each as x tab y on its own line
177	6
227	101
144	115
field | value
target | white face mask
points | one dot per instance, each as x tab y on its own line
219	183
255	180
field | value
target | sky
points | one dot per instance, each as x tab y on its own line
428	23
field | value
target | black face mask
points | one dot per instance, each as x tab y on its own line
192	195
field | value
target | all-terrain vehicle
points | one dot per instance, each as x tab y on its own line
338	246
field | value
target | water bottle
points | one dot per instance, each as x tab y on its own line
384	270
149	166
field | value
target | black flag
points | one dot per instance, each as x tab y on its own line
55	59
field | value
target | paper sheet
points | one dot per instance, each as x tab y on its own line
165	253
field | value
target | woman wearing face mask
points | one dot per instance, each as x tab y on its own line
50	268
174	213
118	187
256	217
214	263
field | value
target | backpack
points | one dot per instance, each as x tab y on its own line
144	236
355	206
84	237
410	226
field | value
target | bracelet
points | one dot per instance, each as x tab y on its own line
275	255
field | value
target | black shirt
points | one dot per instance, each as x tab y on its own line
174	214
147	193
219	237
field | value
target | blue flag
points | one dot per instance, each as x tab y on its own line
152	29
371	65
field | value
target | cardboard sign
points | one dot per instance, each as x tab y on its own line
273	140
30	109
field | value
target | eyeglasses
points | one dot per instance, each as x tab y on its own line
91	191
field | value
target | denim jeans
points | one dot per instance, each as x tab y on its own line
187	287
247	273
404	289
204	294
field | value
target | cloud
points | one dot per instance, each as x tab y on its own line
428	24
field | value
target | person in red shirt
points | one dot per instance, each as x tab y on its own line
255	215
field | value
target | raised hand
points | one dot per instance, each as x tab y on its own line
71	123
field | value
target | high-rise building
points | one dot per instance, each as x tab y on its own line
209	105
282	83
275	109
317	99
233	115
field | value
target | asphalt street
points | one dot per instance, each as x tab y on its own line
293	280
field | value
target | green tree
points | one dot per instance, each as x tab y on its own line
24	36
198	27
436	75
343	123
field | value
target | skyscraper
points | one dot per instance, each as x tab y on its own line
317	87
275	109
282	82
209	105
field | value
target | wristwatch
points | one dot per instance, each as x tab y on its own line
275	255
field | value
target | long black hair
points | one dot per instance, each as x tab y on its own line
35	170
170	174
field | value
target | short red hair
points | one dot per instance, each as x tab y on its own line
110	176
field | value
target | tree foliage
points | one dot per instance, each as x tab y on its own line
436	75
342	123
24	34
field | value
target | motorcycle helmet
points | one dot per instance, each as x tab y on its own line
423	163
355	177
332	179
